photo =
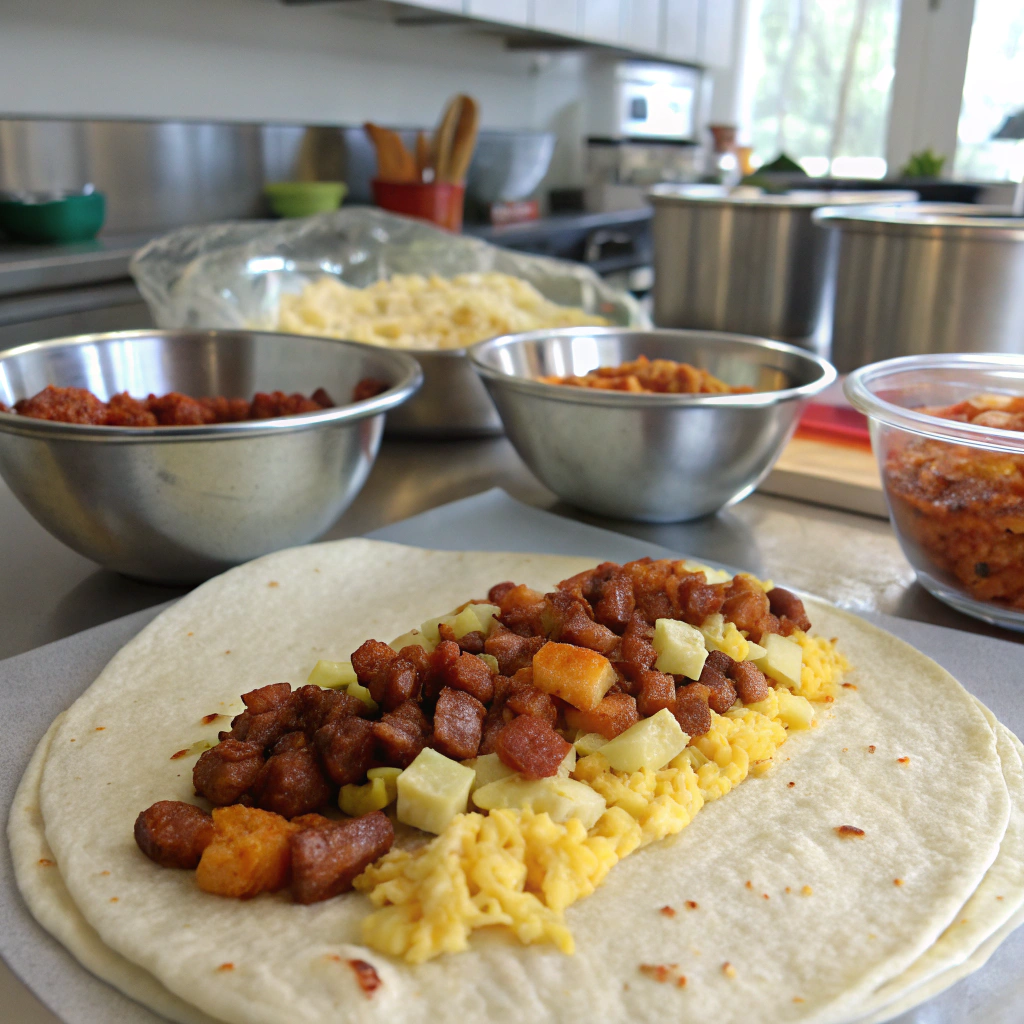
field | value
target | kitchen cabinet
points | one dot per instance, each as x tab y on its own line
512	12
602	20
641	24
681	39
718	22
561	16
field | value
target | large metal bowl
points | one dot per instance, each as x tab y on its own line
652	458
180	504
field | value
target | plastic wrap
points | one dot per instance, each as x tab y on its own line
234	274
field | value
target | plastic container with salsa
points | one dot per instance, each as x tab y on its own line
948	434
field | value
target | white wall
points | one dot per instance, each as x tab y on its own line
255	60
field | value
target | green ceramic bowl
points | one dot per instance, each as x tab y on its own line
69	218
304	198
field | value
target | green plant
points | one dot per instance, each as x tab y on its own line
924	164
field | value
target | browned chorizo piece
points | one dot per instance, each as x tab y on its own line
512	651
649	579
749	682
531	746
693	598
65	405
499	590
125	411
326	860
290	741
722	694
173	834
271	711
291	784
655	691
496	720
418	657
636	649
458	724
267	698
317	706
719	661
311	821
691	709
786	605
403	683
746	604
225	772
525	699
586	586
249	853
267	405
345	746
615	607
575	626
177	410
523	611
615	713
471	643
225	410
470	673
371	661
401	734
366	388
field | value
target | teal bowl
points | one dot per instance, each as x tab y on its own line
69	218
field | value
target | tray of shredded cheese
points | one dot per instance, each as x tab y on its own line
364	275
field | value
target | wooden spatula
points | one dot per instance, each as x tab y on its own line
394	161
465	139
444	138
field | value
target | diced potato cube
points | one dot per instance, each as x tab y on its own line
429	628
485	615
680	647
332	675
490	661
465	622
489	768
390	777
568	763
651	743
360	800
432	790
575	674
588	743
795	712
414	638
360	691
754	651
561	798
782	661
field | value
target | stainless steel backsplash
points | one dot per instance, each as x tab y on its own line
162	174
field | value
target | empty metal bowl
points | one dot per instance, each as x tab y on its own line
180	504
653	458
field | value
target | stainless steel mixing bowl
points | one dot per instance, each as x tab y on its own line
652	458
180	504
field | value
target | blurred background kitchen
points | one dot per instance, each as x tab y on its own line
182	113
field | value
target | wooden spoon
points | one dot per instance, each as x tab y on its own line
465	140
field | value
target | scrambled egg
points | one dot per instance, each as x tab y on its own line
520	869
413	311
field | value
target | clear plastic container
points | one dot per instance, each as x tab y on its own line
955	488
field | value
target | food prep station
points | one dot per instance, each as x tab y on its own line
761	290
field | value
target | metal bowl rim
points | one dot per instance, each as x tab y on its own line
631	400
795	199
857	387
409	382
922	218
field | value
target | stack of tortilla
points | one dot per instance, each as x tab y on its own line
814	927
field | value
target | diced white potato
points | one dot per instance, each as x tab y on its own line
782	661
414	638
360	800
651	743
390	777
486	614
680	647
429	628
490	661
489	768
465	622
720	635
360	691
795	712
754	651
560	797
432	790
568	763
589	742
712	575
332	675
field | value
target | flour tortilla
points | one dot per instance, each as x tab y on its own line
937	823
957	953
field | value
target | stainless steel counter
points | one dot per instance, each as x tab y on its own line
49	592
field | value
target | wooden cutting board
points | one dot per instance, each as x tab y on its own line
839	475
